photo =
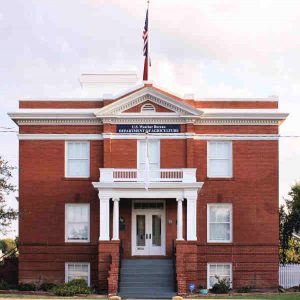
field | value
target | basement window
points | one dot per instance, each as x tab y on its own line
77	271
221	270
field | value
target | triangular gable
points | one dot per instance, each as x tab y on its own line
148	94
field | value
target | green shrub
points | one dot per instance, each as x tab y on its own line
4	285
221	287
244	289
72	288
27	287
47	286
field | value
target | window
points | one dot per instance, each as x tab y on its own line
77	271
77	159
77	222
153	154
148	108
220	270
219	159
219	227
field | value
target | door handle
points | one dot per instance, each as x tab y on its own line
146	236
150	236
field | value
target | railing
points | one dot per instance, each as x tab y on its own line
289	275
187	175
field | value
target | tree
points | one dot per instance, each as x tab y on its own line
289	224
6	214
6	245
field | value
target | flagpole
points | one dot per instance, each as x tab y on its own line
148	58
146	45
147	164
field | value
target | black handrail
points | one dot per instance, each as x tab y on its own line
120	263
174	264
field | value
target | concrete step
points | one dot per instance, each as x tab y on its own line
153	295
134	284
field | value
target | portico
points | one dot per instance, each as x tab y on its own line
178	184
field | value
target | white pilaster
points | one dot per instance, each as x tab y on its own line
116	219
179	220
191	218
104	217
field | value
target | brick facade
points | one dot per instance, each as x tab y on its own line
253	192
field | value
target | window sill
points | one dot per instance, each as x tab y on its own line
219	243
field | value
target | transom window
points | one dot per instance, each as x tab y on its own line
220	270
148	205
148	108
78	159
219	159
77	222
219	227
77	271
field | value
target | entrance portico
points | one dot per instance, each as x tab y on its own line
182	187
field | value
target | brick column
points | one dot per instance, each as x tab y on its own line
108	266
186	265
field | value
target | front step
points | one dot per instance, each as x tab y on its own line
147	278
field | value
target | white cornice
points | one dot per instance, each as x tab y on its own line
204	137
43	136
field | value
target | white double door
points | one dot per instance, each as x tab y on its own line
148	228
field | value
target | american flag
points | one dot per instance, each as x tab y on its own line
145	36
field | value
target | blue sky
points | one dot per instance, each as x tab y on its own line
233	48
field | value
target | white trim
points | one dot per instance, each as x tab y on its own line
117	136
66	223
218	263
66	158
45	99
208	145
89	270
68	137
227	205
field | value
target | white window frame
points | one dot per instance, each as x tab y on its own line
209	175
208	273
67	205
67	159
227	205
78	263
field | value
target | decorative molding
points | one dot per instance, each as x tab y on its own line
60	137
91	121
204	137
220	121
147	94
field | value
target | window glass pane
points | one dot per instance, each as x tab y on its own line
219	232
140	230
78	271
78	231
219	214
219	167
220	270
78	167
78	150
156	230
153	152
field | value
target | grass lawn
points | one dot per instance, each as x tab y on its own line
290	296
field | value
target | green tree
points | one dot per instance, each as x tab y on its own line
7	245
289	224
6	214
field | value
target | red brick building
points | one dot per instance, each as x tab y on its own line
207	199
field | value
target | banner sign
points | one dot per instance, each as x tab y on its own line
150	128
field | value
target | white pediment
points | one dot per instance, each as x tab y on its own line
148	94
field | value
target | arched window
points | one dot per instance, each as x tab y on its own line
148	108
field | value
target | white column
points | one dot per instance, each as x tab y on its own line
179	220
116	219
191	218
104	217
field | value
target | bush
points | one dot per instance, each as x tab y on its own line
244	289
47	286
27	287
221	287
72	288
4	285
